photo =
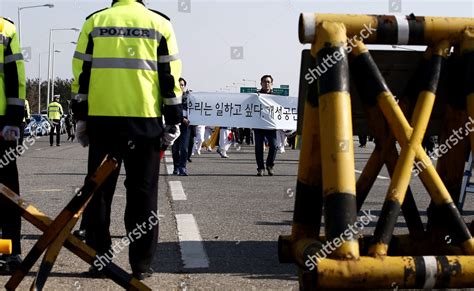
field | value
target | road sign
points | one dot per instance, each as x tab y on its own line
281	91
276	91
248	90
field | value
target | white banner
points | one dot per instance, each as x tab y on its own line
247	110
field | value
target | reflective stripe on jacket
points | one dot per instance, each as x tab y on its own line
55	111
126	65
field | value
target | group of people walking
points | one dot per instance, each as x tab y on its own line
181	150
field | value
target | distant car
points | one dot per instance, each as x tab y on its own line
43	127
41	130
43	121
30	129
38	117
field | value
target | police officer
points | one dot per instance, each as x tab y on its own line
12	102
55	112
126	70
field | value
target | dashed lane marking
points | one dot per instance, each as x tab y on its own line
177	191
169	169
380	177
193	253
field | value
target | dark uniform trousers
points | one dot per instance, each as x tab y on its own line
142	164
55	128
10	217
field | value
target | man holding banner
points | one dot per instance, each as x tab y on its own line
270	134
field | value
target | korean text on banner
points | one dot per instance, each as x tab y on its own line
246	110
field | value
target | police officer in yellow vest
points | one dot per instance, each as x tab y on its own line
12	101
126	70
55	111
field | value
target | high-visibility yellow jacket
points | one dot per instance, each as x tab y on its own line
12	76
55	111
126	70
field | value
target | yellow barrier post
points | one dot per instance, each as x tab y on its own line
336	143
5	246
308	194
425	272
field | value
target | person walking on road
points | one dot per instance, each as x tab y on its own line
70	128
270	134
25	122
199	139
181	146
224	142
12	106
126	69
55	112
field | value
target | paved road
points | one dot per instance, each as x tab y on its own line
218	227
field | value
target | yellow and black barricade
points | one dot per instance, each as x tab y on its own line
56	233
326	178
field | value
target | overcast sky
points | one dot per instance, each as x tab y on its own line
264	31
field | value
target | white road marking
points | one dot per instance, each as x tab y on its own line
169	169
48	190
169	163
177	191
193	254
380	177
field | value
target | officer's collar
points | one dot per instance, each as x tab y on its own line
123	2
